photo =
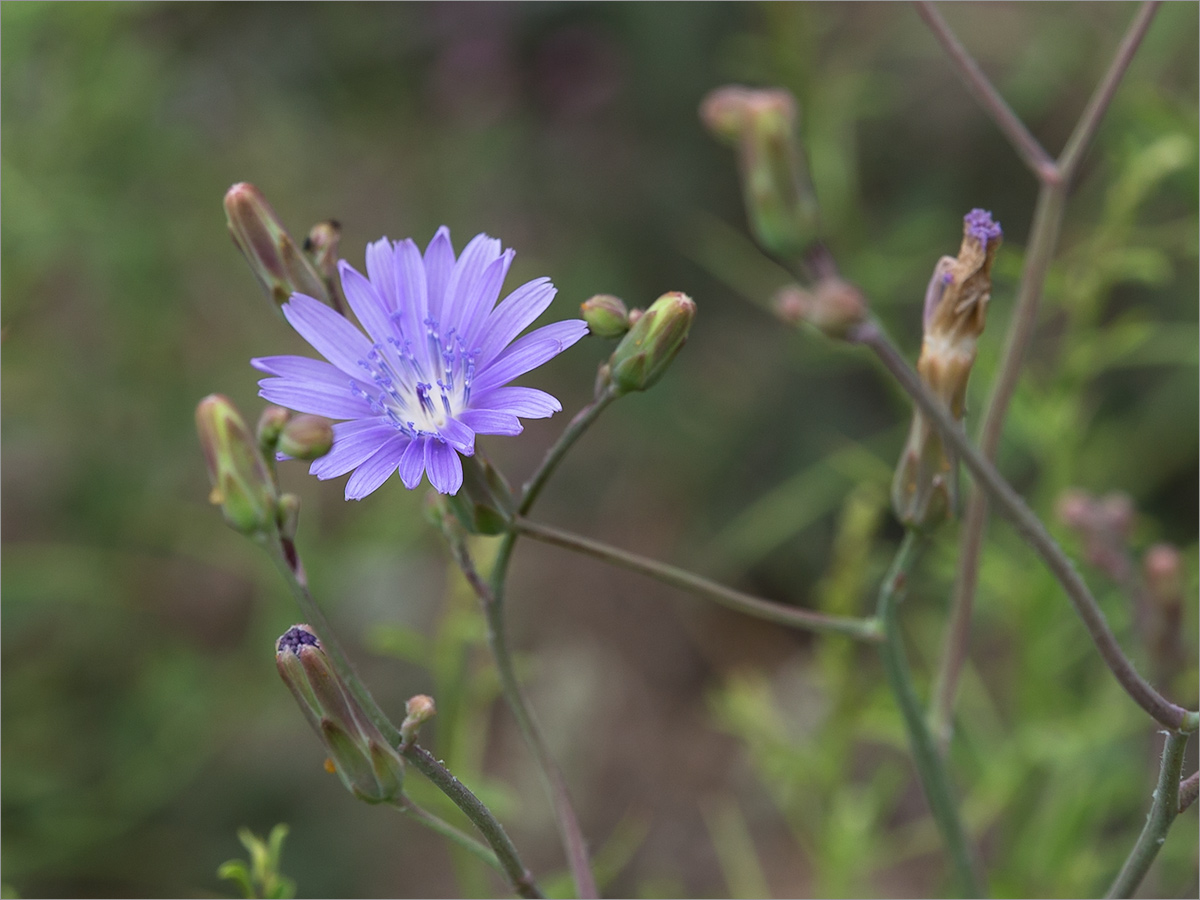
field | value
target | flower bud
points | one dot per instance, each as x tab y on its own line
279	265
833	307
606	315
780	202
321	247
646	351
306	437
367	765
485	504
241	483
417	711
289	516
925	489
270	427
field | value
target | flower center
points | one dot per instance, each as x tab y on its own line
418	388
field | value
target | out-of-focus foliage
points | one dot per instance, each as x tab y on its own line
143	722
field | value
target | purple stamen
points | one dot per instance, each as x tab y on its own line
982	227
296	637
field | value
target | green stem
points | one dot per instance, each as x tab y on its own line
570	833
793	617
1163	810
1027	524
492	831
574	430
930	766
440	826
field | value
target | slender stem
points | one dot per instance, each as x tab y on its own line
449	832
492	831
568	823
930	767
1031	529
793	617
1189	789
1089	120
1163	811
1026	145
1043	239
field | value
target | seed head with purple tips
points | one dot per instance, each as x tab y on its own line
432	370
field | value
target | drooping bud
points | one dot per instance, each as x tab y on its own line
417	711
653	341
485	504
241	483
925	489
606	315
364	761
833	307
780	202
280	266
306	437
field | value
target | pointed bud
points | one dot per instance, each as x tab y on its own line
241	483
646	351
925	488
417	711
833	307
368	767
306	437
780	202
606	315
280	266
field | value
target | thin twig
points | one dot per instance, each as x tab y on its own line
1189	789
479	814
1027	524
1026	145
1163	811
930	767
791	616
1089	120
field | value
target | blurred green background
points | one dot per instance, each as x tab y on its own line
710	755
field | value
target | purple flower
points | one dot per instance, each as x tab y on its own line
431	371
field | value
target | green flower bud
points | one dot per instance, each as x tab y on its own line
364	761
270	426
485	505
606	315
306	437
780	202
279	265
241	483
646	351
289	516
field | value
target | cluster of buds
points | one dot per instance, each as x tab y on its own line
239	465
925	489
761	124
366	763
1105	524
282	266
833	306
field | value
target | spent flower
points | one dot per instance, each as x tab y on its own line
925	489
432	370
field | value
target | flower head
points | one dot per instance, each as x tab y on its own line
433	368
